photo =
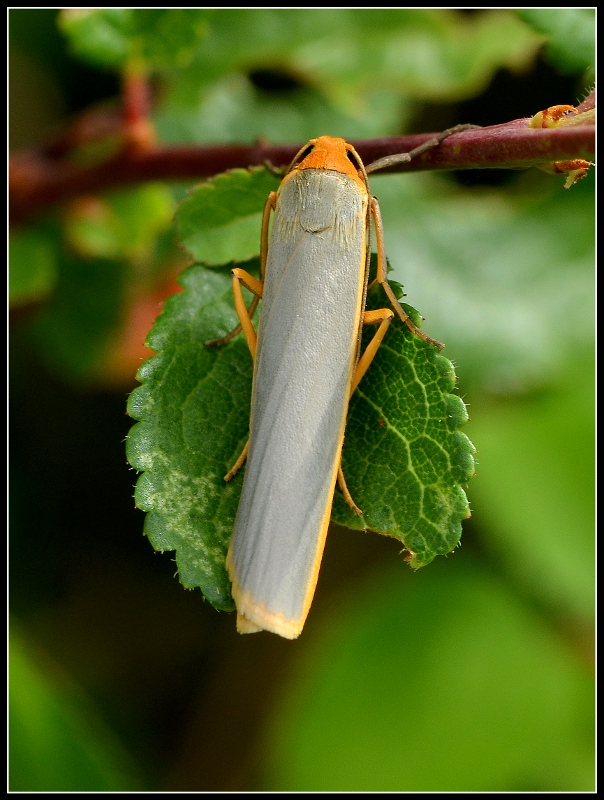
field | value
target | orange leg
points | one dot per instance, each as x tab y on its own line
383	279
240	276
346	493
389	161
383	316
239	463
248	281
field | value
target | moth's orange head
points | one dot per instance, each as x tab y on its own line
331	152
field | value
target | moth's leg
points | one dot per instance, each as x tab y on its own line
277	172
346	493
389	161
269	206
239	463
383	316
382	277
240	276
404	158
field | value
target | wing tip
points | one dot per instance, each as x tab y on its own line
253	616
266	621
244	625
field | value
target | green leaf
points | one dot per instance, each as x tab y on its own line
221	220
421	50
356	70
404	457
109	37
233	110
32	266
122	224
193	406
170	36
571	35
495	271
428	53
99	36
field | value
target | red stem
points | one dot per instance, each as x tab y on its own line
39	178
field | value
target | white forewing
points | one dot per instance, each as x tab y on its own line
307	347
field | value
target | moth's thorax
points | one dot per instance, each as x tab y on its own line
315	200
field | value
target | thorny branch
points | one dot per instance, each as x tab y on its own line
44	176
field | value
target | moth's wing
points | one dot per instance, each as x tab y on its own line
307	345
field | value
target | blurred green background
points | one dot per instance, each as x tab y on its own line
474	674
